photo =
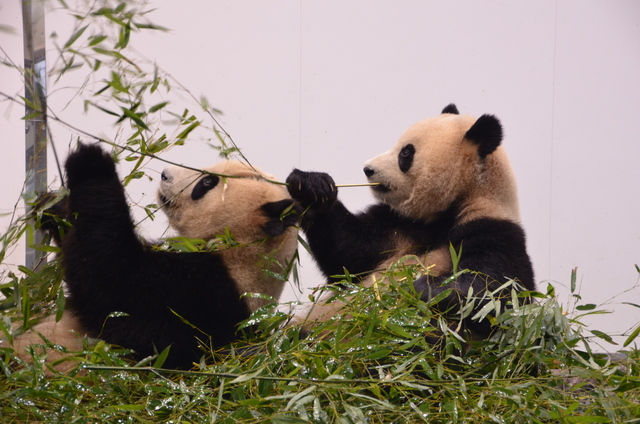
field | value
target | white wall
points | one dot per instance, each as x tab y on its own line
327	85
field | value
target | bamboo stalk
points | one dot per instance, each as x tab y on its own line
357	185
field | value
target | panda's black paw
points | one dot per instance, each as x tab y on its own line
89	162
312	189
50	211
282	214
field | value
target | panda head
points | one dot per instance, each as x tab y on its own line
450	160
228	195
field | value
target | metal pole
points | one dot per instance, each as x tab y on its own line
35	72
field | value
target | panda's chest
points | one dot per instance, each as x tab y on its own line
417	237
420	246
416	242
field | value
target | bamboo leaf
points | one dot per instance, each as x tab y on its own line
94	40
298	397
157	107
626	385
183	135
75	36
379	353
60	303
105	110
125	34
32	115
162	357
587	307
135	118
398	330
632	336
603	336
150	26
158	145
455	257
245	377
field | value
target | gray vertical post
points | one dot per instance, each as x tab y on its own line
35	72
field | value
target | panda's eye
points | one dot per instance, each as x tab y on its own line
405	157
203	186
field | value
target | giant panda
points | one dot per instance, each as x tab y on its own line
447	181
133	294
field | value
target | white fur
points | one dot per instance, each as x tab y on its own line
67	333
446	168
234	204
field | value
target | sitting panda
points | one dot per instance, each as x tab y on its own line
446	182
135	295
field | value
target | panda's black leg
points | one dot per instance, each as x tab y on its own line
282	214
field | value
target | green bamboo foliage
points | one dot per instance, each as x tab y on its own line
372	363
387	358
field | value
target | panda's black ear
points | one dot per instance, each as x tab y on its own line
486	133
451	108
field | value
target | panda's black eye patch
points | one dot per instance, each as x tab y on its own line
203	186
405	157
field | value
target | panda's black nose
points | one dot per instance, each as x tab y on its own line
368	171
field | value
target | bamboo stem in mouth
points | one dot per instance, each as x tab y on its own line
357	185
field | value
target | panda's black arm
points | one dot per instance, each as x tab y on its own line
357	243
101	246
494	251
97	204
339	240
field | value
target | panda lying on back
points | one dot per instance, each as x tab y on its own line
109	270
446	181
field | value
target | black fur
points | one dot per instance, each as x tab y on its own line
451	108
359	242
495	250
202	187
282	214
315	189
108	269
405	157
486	133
